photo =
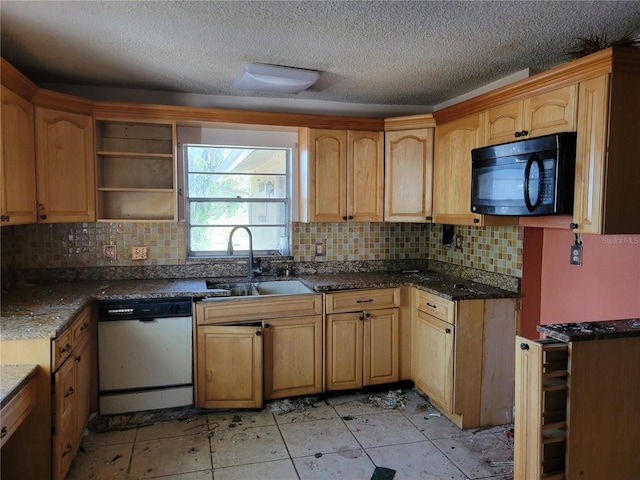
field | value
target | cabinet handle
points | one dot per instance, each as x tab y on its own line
525	133
428	218
344	217
350	217
365	301
4	433
69	392
78	358
447	330
84	326
67	450
258	333
431	305
476	220
66	348
5	218
43	217
573	226
524	346
361	318
266	325
368	315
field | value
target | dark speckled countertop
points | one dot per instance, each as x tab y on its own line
574	332
44	311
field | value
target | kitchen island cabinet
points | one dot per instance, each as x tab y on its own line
462	357
577	393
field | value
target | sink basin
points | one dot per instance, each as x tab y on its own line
243	289
247	289
283	287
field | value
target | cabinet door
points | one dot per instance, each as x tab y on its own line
292	357
551	112
17	160
380	347
229	367
328	169
591	152
432	364
65	166
452	171
64	441
501	123
82	359
344	350
365	176
409	176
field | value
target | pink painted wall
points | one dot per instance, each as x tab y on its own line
605	287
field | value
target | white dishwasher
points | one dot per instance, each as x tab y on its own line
145	354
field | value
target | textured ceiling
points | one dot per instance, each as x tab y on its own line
400	56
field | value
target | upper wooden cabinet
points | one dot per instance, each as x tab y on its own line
17	160
341	175
136	171
452	174
65	166
541	114
408	189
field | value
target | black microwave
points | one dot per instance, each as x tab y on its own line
528	177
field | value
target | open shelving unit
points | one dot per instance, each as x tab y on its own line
136	171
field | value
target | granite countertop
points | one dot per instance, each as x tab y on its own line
13	379
574	332
44	311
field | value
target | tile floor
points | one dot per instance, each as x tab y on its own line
343	437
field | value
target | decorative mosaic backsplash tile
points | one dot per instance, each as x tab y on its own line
493	249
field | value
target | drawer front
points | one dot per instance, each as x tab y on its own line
229	311
436	306
81	327
14	413
62	345
358	300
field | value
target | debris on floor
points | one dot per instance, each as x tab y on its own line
293	404
393	399
383	473
106	423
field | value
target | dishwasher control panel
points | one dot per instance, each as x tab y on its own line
140	309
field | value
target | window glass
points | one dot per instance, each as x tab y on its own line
230	186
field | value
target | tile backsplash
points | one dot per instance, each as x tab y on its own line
493	249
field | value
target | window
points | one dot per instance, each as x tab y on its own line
230	186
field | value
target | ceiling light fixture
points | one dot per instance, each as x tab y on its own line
274	78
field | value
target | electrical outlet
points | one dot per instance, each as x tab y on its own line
576	255
321	249
139	253
459	242
110	252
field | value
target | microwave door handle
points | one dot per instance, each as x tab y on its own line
527	172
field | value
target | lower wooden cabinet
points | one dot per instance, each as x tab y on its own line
292	356
462	357
362	345
229	366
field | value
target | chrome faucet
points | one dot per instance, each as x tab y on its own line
230	246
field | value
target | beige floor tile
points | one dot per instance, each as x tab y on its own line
277	470
101	461
386	428
189	426
433	424
320	436
416	461
202	475
474	453
335	465
252	445
321	412
95	439
170	456
351	405
240	419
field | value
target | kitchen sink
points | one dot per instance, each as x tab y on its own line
283	287
246	289
241	289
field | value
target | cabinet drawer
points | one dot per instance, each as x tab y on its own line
61	348
436	306
229	311
81	327
14	413
358	300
